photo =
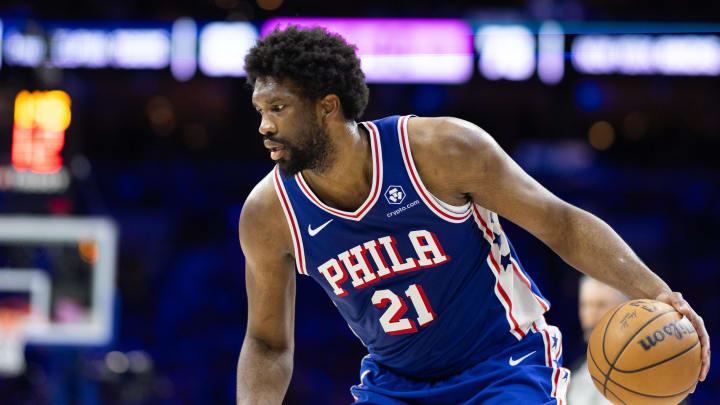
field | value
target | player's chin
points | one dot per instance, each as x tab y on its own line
287	167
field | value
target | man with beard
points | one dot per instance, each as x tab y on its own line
398	220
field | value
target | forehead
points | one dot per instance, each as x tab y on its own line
592	290
267	89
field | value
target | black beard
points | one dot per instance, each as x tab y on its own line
313	152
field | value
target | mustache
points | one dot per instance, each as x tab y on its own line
273	138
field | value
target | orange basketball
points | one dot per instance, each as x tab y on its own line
644	352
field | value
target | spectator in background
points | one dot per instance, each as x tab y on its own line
596	299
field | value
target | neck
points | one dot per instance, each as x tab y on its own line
346	183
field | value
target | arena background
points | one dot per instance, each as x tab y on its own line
171	158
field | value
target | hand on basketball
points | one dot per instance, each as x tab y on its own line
678	302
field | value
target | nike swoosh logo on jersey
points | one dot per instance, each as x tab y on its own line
516	362
315	231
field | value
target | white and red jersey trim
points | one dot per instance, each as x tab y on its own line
430	200
292	222
552	356
512	288
359	213
544	304
500	292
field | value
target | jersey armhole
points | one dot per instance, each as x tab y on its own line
448	212
295	231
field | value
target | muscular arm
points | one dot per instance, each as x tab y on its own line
485	174
266	359
460	161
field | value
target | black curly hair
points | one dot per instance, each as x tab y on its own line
318	62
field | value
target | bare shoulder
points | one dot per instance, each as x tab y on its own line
262	223
445	151
446	137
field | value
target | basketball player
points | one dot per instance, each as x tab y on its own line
596	299
398	220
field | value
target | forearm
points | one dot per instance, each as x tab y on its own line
263	373
589	244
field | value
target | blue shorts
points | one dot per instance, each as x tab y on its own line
527	372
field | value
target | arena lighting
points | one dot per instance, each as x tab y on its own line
141	48
692	55
551	53
638	27
223	46
125	48
391	50
401	50
506	52
183	58
79	48
41	118
1	41
23	49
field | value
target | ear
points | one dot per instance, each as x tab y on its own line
329	108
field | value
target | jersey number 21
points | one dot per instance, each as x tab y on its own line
391	320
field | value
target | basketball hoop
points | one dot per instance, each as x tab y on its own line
13	323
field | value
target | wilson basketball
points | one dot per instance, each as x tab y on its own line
644	352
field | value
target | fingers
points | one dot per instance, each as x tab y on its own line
705	344
699	324
678	302
693	388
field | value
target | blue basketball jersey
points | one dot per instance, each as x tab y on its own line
430	289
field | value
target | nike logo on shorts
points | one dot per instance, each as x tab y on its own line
516	362
315	231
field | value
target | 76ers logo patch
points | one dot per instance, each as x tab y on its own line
394	195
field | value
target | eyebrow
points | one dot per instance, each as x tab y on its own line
272	100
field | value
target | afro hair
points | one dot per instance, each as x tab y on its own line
318	62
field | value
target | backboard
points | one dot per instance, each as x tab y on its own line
64	269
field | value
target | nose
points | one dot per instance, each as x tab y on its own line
267	126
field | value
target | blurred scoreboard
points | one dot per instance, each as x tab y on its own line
41	118
391	50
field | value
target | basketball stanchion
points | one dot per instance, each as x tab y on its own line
13	322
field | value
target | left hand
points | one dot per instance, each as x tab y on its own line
678	302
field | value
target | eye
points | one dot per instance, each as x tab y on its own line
278	108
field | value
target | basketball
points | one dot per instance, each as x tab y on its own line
644	352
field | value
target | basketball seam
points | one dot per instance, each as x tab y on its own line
610	391
627	343
607	325
605	389
650	395
595	363
659	362
629	390
602	346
